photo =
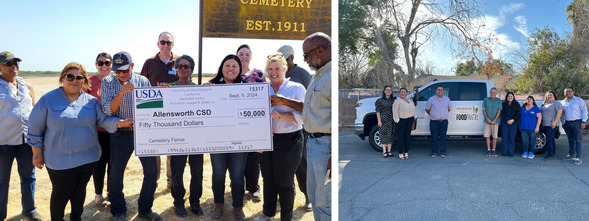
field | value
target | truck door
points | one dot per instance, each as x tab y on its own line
423	118
466	116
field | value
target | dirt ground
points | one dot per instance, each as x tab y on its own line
163	203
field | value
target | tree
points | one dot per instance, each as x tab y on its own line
578	14
467	68
551	65
494	67
415	22
356	38
352	58
352	20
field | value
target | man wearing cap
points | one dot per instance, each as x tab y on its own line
117	100
160	68
16	102
294	72
316	111
300	75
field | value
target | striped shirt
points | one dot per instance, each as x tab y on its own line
111	86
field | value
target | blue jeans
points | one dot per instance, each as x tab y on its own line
121	144
318	153
508	133
528	140
573	130
235	163
438	131
550	132
24	155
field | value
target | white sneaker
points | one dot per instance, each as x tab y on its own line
263	217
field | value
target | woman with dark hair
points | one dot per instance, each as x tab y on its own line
531	117
62	133
404	117
387	127
249	75
226	73
551	112
184	67
234	162
509	123
103	65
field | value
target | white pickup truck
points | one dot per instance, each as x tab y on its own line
465	122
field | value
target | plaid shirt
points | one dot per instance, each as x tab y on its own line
111	86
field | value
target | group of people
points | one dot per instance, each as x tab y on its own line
84	128
396	115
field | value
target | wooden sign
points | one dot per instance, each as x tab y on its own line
266	19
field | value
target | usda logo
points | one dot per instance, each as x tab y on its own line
149	98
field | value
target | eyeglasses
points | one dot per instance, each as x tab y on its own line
166	42
71	77
183	66
122	71
100	63
305	55
10	63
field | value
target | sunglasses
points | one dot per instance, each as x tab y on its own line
100	63
305	55
166	42
183	66
122	71
71	77
10	63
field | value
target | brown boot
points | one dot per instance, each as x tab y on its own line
218	211
238	214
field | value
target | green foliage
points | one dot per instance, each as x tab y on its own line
550	65
466	69
352	20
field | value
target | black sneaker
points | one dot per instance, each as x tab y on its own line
578	161
180	211
434	155
443	155
34	216
196	210
152	216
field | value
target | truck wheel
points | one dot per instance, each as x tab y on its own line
374	139
540	143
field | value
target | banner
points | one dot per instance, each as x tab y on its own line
266	19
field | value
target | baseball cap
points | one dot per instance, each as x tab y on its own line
6	56
121	61
286	50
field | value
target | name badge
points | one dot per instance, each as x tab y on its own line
172	72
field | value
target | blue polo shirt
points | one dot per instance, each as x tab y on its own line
528	118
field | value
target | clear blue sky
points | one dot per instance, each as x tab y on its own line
511	22
49	34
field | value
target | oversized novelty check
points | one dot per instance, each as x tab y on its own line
186	120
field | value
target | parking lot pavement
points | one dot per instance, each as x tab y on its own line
466	185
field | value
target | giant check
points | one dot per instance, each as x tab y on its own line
185	120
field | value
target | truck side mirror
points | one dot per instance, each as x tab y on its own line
415	96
